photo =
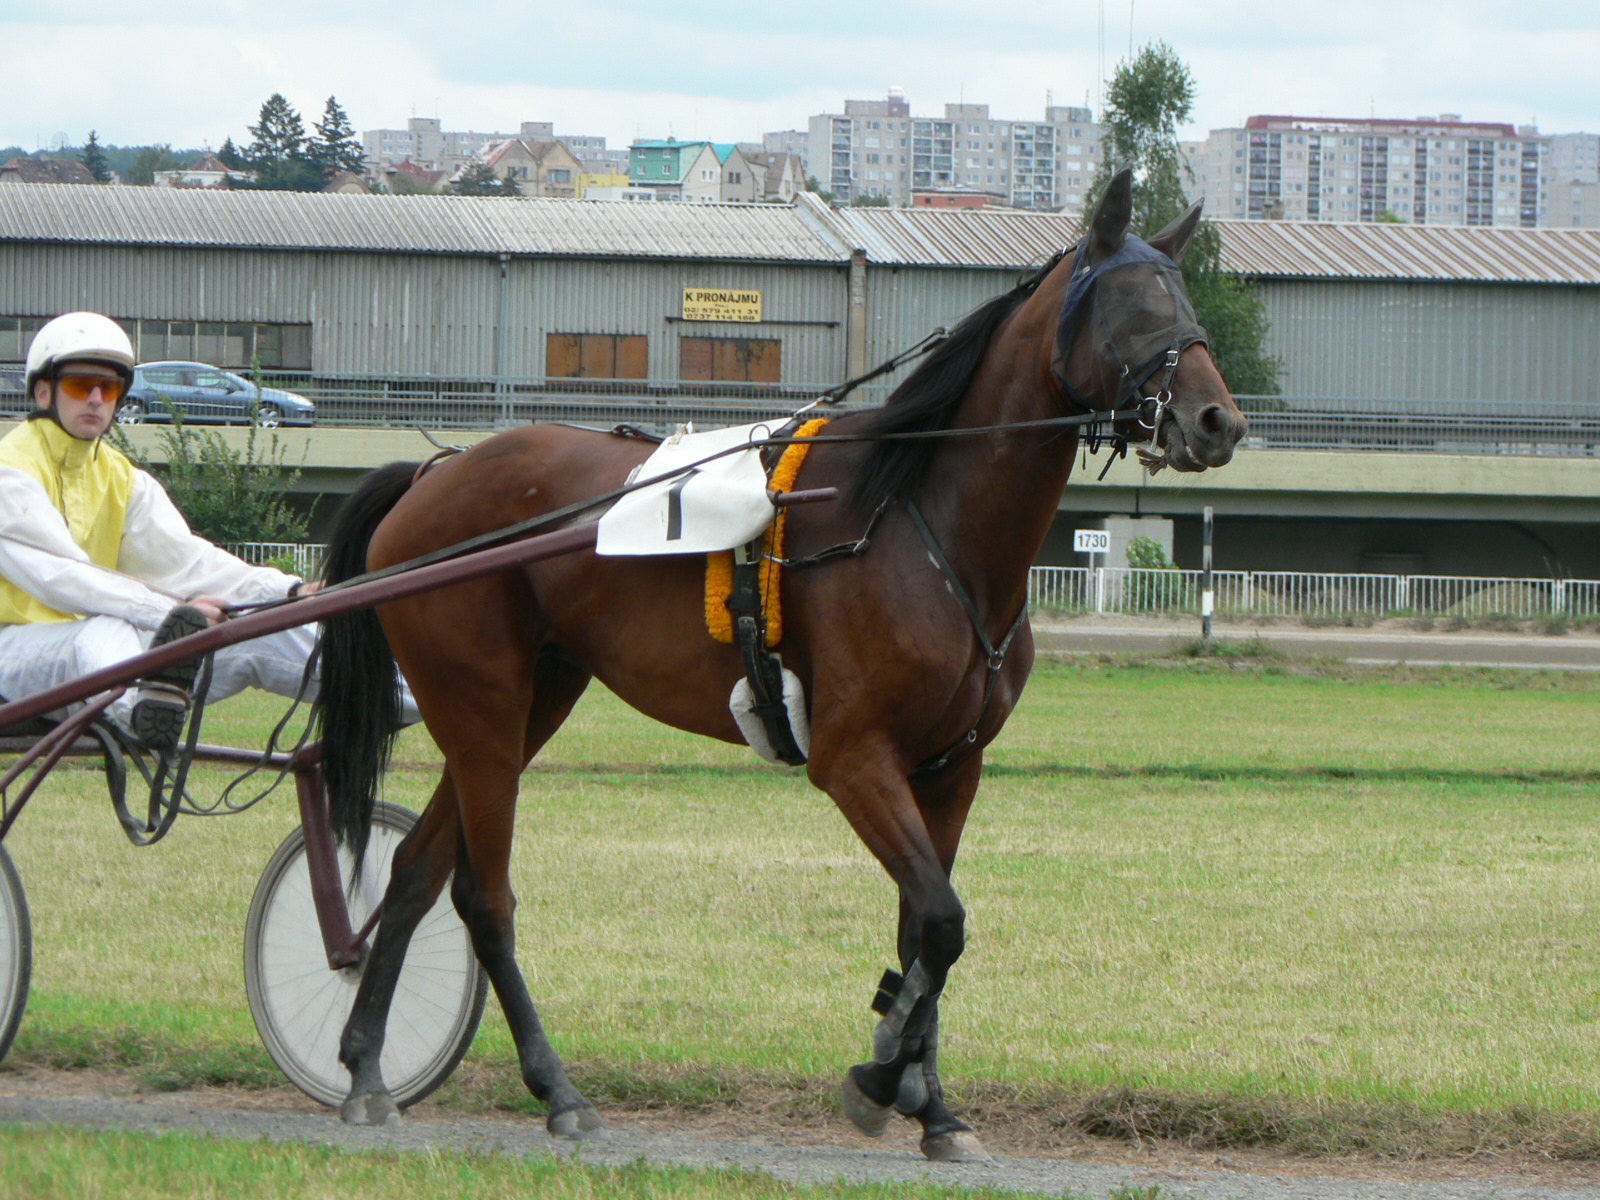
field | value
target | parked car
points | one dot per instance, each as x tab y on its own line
14	403
205	393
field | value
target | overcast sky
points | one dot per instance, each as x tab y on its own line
192	74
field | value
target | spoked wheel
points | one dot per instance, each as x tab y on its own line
16	951
300	1005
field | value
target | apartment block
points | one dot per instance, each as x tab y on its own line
426	144
1572	175
880	148
1428	171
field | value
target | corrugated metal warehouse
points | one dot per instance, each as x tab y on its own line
470	288
677	301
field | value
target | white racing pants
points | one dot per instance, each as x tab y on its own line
45	655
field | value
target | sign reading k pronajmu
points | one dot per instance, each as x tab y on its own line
721	304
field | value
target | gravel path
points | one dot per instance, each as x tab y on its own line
797	1158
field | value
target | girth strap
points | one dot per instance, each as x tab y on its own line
996	655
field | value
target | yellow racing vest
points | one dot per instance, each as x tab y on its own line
88	482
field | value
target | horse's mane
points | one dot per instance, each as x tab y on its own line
928	398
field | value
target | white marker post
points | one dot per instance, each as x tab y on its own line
1092	542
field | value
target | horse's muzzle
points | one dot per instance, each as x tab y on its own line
1204	439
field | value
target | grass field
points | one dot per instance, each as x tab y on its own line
1224	900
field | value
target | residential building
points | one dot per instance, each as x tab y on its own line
1572	179
407	178
674	170
1429	171
30	168
597	185
207	171
426	144
537	168
739	179
790	141
782	176
880	148
957	198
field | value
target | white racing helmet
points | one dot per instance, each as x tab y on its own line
79	337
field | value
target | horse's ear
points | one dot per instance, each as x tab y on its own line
1109	225
1173	241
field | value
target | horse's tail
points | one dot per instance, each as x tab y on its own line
358	702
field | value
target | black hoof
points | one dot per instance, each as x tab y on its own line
575	1124
375	1108
866	1114
957	1146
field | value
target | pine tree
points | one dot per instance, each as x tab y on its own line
94	158
480	180
278	155
336	147
230	156
1147	100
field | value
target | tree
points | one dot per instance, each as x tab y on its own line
336	147
869	200
278	154
480	180
94	158
1147	100
230	157
151	159
813	184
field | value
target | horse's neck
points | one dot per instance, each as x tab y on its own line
991	498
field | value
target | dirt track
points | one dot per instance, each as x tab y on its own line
819	1152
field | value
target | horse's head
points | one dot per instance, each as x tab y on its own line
1129	339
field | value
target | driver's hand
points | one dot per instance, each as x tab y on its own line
213	609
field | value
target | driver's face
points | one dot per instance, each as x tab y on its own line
86	408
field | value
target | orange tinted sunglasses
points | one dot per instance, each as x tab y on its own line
78	387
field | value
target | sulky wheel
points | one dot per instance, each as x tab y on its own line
300	1005
16	951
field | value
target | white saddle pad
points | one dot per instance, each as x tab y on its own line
714	506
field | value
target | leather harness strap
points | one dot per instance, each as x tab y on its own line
996	654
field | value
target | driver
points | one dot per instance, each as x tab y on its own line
96	562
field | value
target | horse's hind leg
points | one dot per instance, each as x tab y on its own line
903	1075
421	863
483	896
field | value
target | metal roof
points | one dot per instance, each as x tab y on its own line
948	237
408	224
808	231
1313	250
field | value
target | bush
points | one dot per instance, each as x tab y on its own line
226	495
1154	592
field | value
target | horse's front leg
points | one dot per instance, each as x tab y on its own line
914	835
421	863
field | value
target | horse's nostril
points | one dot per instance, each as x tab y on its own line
1215	421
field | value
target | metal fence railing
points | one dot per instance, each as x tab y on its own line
297	558
1290	594
1309	595
1560	428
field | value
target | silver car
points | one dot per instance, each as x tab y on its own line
203	393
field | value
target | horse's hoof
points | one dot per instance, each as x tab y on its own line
375	1108
957	1146
865	1114
576	1123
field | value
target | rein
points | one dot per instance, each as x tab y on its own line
545	521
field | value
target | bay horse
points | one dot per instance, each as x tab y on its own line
894	649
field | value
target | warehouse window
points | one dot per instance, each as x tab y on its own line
596	355
743	360
224	344
229	344
15	335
